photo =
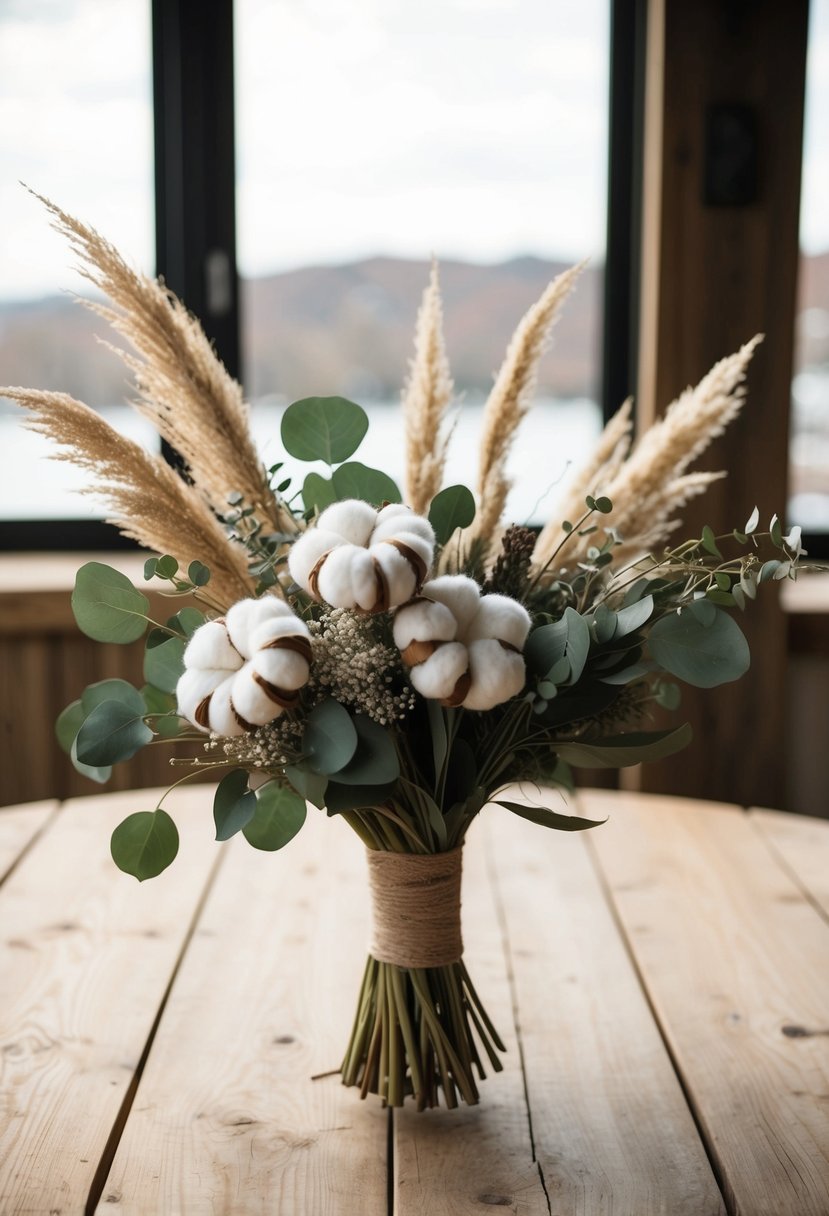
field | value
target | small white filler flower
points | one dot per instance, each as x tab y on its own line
244	669
463	648
357	557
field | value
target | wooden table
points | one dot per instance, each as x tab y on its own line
662	984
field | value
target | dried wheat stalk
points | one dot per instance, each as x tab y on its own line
426	400
147	499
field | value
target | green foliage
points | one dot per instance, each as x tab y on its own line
453	507
234	805
113	731
330	738
700	645
106	605
318	492
163	660
623	750
309	785
550	819
145	844
355	480
279	815
323	428
375	761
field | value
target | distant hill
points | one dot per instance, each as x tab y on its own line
349	329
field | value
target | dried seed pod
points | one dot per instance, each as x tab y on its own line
244	669
360	558
463	648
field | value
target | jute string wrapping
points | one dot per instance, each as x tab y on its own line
416	908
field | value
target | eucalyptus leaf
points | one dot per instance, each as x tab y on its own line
550	819
578	642
323	428
545	646
704	655
106	606
709	541
198	574
603	623
145	844
309	785
112	690
633	616
278	816
356	480
453	507
99	773
112	732
330	738
234	804
318	492
69	722
163	660
620	751
186	621
440	738
375	762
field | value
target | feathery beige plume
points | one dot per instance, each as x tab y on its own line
148	500
184	389
509	401
604	464
426	399
652	485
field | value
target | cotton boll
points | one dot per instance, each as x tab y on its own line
193	686
437	677
460	594
222	719
401	579
423	621
279	627
497	674
500	617
245	616
364	584
418	544
283	668
352	520
210	647
251	701
334	581
395	519
306	552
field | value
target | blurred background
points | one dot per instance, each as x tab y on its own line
291	166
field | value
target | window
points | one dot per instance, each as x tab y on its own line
76	124
809	452
371	135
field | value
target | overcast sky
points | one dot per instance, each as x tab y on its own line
468	128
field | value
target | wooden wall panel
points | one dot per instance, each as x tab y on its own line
712	277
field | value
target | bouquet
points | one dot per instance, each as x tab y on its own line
400	659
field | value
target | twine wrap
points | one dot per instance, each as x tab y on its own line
416	908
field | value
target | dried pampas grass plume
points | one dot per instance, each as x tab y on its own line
184	389
509	401
652	484
426	399
148	500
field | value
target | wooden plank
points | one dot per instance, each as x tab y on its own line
734	956
19	825
461	1162
803	845
86	955
612	1130
227	1118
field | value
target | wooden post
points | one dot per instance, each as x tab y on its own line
723	140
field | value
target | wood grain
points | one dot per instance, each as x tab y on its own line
733	956
612	1130
19	825
86	955
460	1162
803	846
227	1118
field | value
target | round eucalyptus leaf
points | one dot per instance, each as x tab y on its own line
106	605
198	574
278	816
375	760
703	655
69	722
317	492
330	738
186	621
234	805
453	507
112	732
166	566
323	428
145	844
356	480
163	660
111	690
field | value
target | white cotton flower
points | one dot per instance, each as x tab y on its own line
463	648
244	669
360	558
